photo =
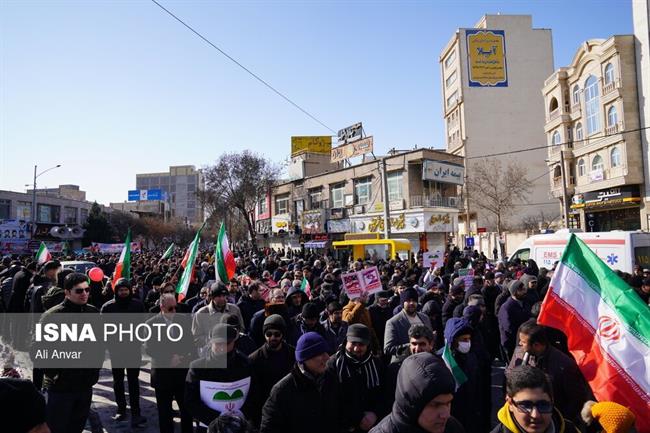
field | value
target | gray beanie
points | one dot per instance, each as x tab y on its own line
514	286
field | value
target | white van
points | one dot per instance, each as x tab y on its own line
620	250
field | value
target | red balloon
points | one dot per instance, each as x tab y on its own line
96	274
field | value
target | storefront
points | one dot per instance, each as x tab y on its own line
611	209
283	233
337	228
313	236
424	229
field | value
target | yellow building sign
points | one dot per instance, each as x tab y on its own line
321	144
486	58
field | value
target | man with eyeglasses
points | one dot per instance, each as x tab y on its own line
70	390
529	405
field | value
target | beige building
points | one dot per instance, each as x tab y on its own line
641	15
181	184
315	210
589	107
491	76
64	191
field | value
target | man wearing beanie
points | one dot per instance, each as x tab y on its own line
24	407
511	315
305	400
271	362
335	328
307	321
223	364
380	313
361	377
396	335
425	389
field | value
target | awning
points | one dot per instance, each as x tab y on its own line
315	244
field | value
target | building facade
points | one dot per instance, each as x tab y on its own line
491	103
641	16
313	211
590	107
181	185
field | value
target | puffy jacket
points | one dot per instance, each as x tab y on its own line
508	425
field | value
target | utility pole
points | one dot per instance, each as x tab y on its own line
468	225
34	203
565	208
384	187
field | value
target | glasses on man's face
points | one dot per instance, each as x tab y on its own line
542	406
275	334
79	290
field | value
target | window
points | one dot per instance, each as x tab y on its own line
581	167
576	95
5	209
70	215
337	194
24	210
395	186
615	155
450	59
83	215
315	197
452	99
282	205
612	118
48	213
261	206
579	131
592	105
597	163
450	79
557	139
553	105
557	172
609	73
363	190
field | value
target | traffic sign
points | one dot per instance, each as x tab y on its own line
469	242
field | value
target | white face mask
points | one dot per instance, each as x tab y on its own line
464	346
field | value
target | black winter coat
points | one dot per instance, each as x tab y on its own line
300	404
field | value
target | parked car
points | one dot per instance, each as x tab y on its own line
78	266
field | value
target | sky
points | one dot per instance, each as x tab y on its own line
113	88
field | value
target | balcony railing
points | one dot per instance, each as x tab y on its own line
435	201
610	87
613	129
554	114
576	108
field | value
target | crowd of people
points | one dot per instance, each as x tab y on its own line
417	356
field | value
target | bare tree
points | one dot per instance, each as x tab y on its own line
495	187
235	183
540	221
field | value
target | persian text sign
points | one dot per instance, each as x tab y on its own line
311	144
486	58
363	281
443	172
350	150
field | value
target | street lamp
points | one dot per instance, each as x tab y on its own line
34	194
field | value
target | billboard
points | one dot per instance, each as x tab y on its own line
318	144
146	194
486	58
350	150
443	172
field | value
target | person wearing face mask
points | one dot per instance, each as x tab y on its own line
465	407
511	315
360	376
529	405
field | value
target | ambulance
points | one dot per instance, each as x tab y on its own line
620	250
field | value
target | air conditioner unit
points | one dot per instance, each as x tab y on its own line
453	201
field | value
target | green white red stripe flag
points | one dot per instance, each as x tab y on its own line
123	267
448	357
225	260
168	252
607	325
188	265
43	254
305	286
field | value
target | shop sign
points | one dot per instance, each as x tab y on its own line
596	175
441	222
280	223
14	229
443	172
338	226
263	226
312	221
486	58
628	195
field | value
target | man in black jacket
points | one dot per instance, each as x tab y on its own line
305	400
250	303
70	390
17	304
125	354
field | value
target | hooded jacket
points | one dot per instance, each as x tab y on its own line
507	423
421	378
293	311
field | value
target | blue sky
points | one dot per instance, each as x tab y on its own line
114	88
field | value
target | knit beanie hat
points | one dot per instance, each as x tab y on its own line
409	294
274	321
612	417
310	345
26	405
358	333
514	286
310	311
223	333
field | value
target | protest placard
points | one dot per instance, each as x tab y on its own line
365	280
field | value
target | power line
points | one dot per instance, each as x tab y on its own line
257	77
559	144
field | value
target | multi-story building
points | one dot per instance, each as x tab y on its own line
641	14
314	210
592	121
65	191
491	76
181	185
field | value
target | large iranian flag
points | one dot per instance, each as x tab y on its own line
123	267
188	265
607	325
43	255
225	260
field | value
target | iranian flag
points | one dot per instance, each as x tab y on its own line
225	260
607	325
448	357
188	265
43	255
123	267
305	286
168	252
